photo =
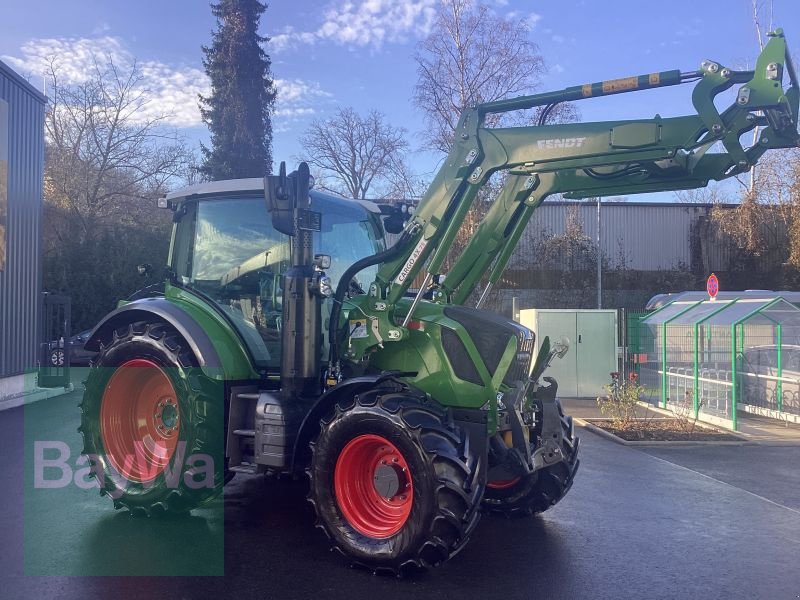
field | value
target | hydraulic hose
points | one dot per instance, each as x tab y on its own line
344	285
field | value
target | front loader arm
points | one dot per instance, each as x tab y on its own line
640	155
662	155
577	160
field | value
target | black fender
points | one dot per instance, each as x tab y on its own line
160	309
310	425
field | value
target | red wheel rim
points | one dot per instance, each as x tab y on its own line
139	420
502	484
373	486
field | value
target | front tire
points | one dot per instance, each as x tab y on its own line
392	481
542	489
152	422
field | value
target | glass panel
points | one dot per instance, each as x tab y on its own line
759	319
238	260
234	238
714	374
700	312
783	312
738	311
347	236
667	313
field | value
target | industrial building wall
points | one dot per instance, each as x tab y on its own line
648	236
21	275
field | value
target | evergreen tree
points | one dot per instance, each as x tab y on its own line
238	111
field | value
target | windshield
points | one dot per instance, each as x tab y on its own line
228	249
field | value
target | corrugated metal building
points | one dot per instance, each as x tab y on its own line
642	243
643	236
22	109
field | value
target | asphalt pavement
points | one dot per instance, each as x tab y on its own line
700	522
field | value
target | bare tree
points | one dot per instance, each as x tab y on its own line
767	220
108	155
106	147
359	156
471	55
756	5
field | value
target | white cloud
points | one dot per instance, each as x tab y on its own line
557	68
532	19
364	23
559	39
291	91
297	99
288	38
75	57
173	89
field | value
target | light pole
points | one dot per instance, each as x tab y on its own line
599	260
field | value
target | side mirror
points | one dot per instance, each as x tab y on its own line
279	201
287	193
396	215
283	192
303	182
394	224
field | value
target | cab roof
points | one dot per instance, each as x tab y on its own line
251	185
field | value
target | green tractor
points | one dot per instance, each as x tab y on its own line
286	340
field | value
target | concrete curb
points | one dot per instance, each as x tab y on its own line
698	422
31	396
766	441
652	443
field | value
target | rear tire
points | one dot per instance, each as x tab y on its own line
543	489
427	510
151	422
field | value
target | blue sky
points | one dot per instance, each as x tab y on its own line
359	53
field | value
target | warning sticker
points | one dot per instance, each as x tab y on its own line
620	85
358	329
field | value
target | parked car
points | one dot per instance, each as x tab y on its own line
78	355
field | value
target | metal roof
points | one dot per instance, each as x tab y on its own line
660	300
777	310
252	184
22	82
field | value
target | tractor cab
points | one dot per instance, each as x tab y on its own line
224	246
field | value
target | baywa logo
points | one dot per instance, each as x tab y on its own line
196	472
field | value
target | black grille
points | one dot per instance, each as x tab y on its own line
490	333
458	356
522	361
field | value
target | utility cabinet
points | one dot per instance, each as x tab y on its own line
592	356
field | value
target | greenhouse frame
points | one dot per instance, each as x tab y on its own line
711	359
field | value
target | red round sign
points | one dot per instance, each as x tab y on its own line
712	285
